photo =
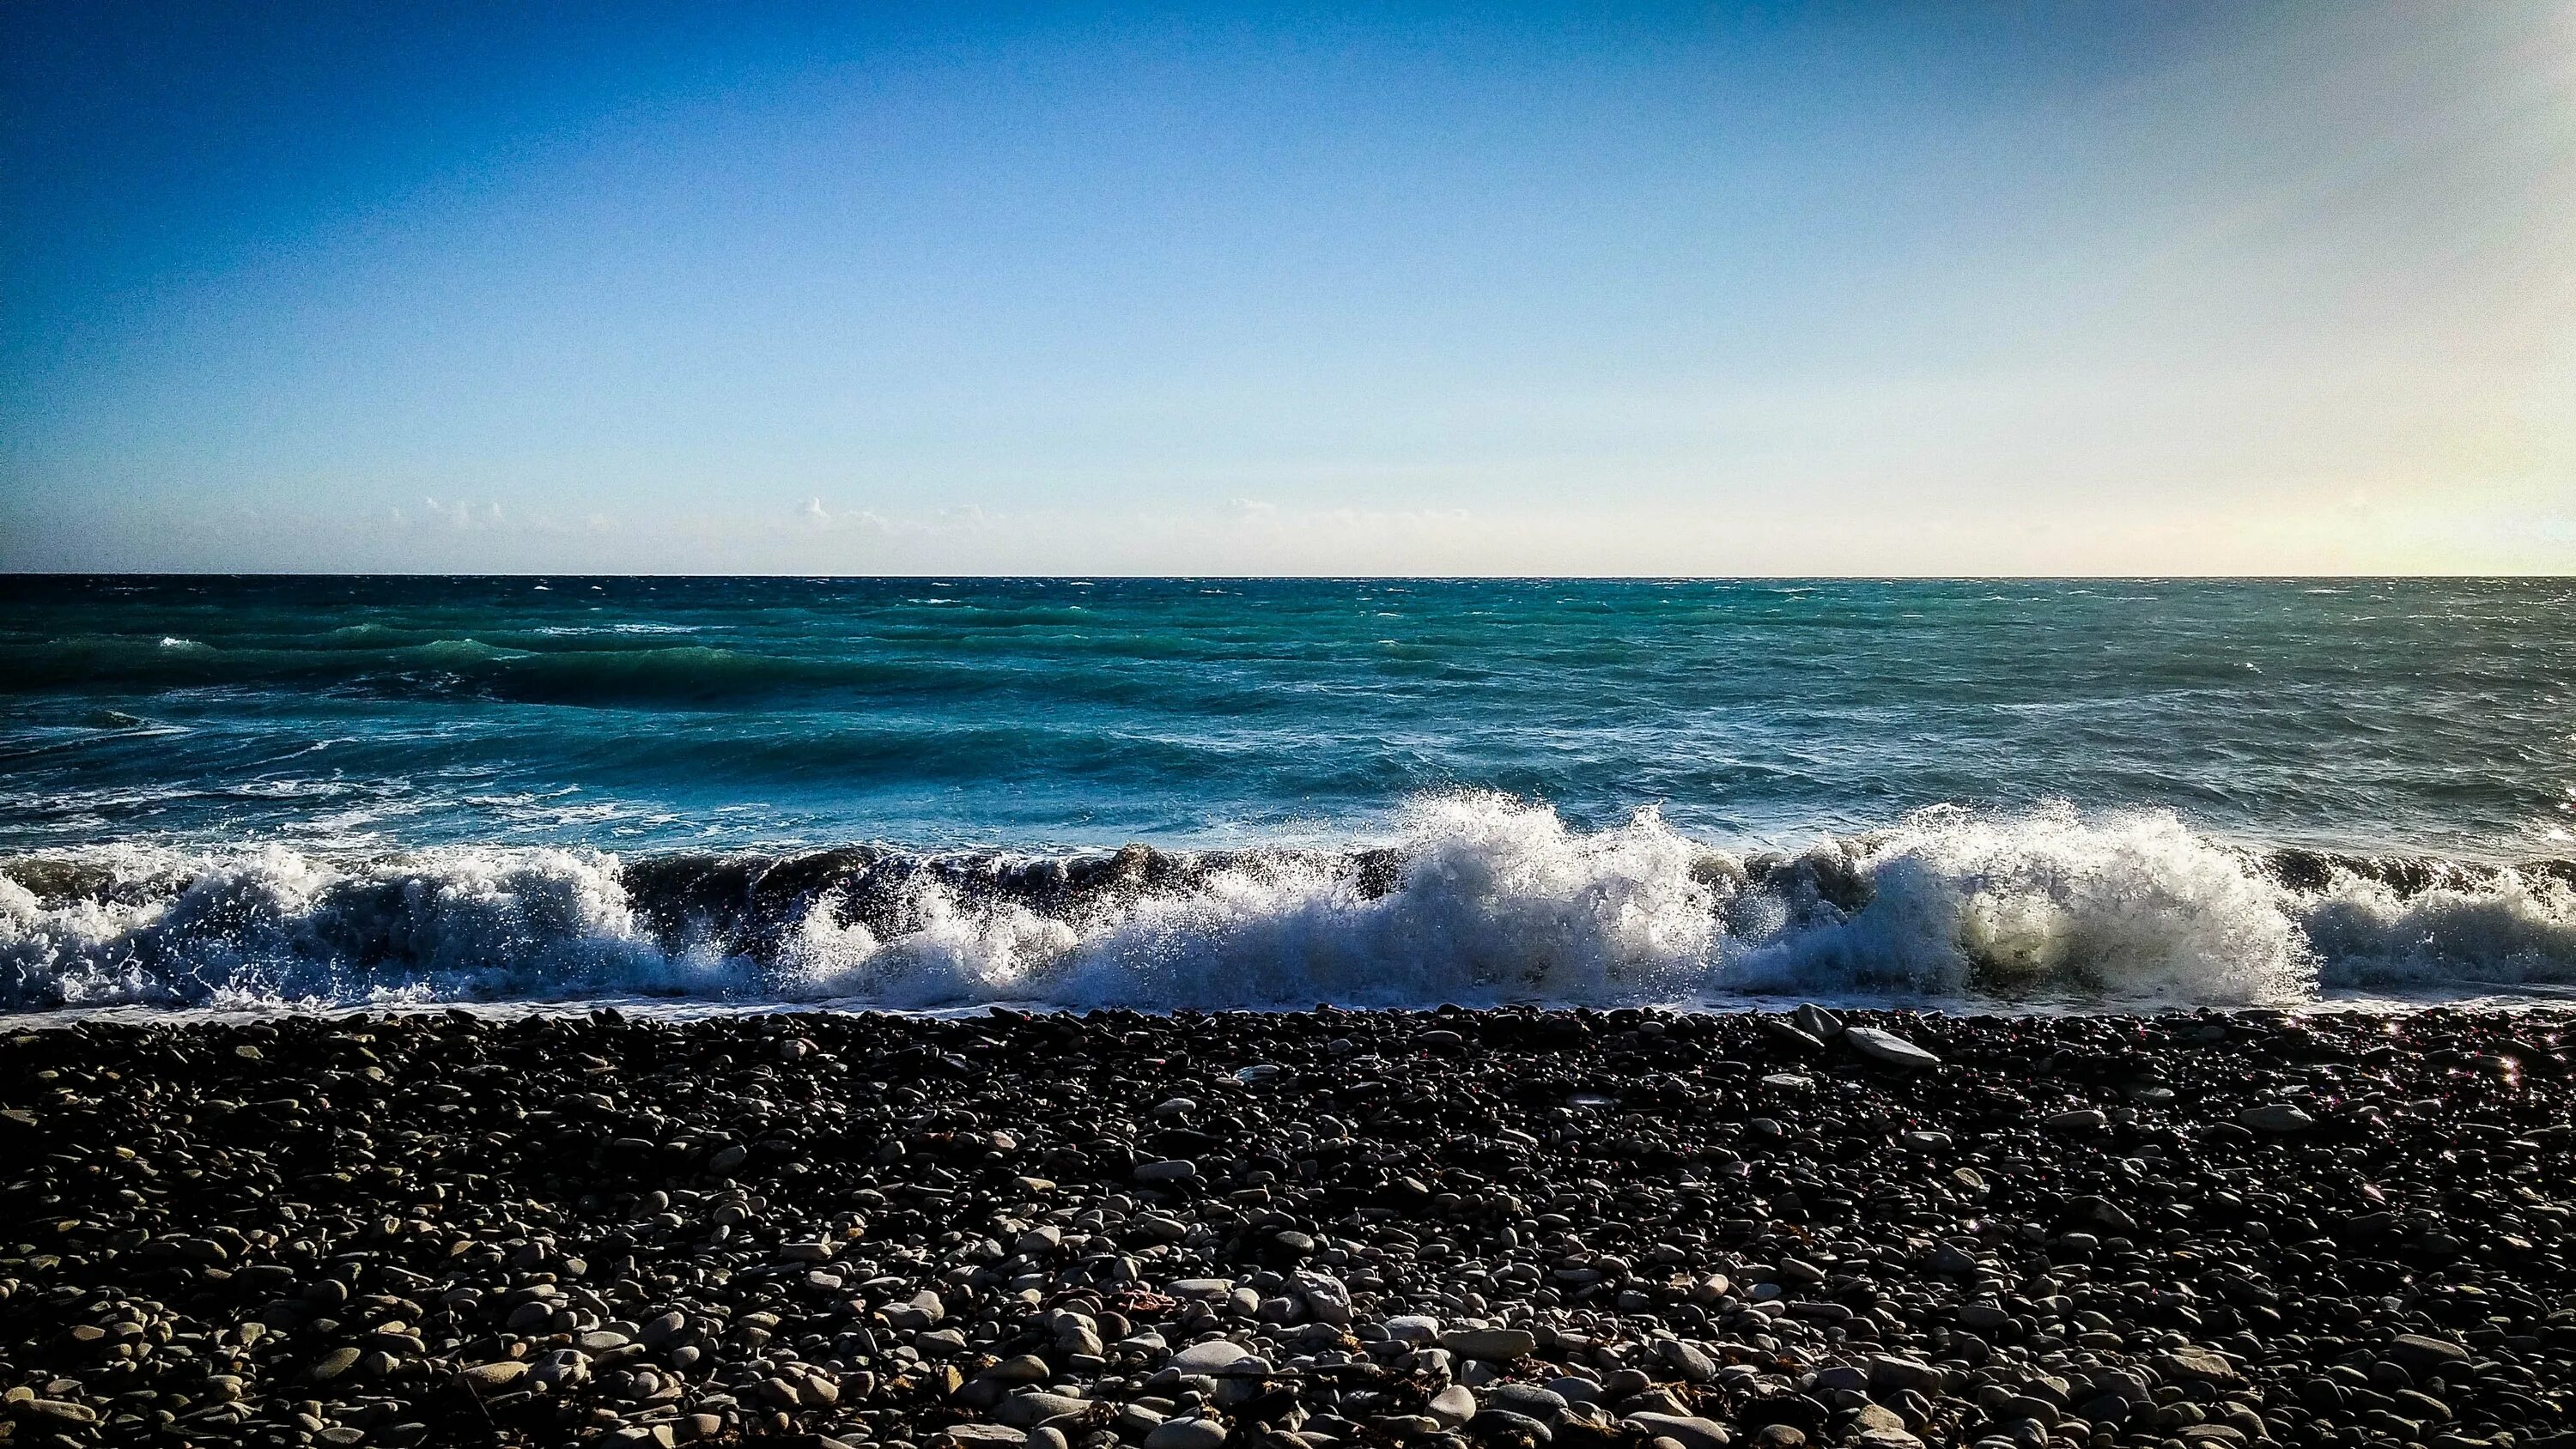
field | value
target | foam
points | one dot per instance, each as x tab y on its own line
1475	899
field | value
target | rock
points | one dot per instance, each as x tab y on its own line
2420	1355
2192	1365
1412	1328
1499	1345
1528	1400
1328	1300
1220	1357
2415	1404
1895	1374
2081	1119
521	1217
1171	1170
492	1377
1880	1420
1452	1406
2095	1210
918	1312
1186	1434
1686	1362
2279	1118
1034	1407
1490	1424
1689	1431
1026	1368
1889	1048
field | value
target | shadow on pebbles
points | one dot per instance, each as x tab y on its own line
1510	1228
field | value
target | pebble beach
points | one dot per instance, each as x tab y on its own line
1512	1227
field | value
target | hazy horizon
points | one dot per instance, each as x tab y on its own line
2118	291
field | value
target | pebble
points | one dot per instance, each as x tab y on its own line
1186	1434
1452	1406
1688	1430
2276	1117
1498	1344
1619	1229
1219	1356
1888	1047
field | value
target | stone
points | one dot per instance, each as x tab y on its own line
1870	1419
1494	1423
1220	1357
2193	1365
1893	1373
1499	1345
1452	1406
2420	1355
1686	1361
520	1216
1186	1434
1526	1399
1688	1430
2097	1211
1412	1328
492	1377
1026	1368
1030	1409
1889	1048
2279	1118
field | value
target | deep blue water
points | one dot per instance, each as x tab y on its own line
183	725
2418	716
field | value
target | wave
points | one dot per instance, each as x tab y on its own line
1475	899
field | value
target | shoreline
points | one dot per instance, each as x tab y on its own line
2546	1002
2338	1229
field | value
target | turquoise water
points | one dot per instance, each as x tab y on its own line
160	737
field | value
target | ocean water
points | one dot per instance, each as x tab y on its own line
929	793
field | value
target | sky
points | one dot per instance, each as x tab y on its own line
2023	288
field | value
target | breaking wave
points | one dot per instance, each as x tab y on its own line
1475	899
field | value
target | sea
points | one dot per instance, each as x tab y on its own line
933	794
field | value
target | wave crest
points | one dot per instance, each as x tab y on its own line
1477	899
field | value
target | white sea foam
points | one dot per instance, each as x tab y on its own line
1489	900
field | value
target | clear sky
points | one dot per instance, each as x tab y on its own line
2027	288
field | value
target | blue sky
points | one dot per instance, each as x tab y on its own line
1837	289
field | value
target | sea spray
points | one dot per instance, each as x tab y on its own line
1475	898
